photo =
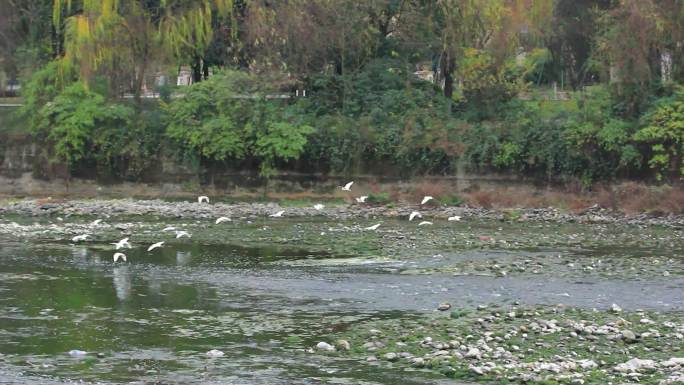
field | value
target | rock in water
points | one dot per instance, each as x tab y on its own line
342	345
473	353
214	353
325	347
587	364
635	364
629	336
391	356
77	353
444	306
615	308
674	361
418	362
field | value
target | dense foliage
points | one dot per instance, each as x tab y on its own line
483	98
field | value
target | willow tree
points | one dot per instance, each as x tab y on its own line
493	25
120	38
635	38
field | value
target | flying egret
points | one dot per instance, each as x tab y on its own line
362	199
374	227
454	218
169	228
202	198
79	238
278	214
181	234
347	187
122	243
425	223
119	255
415	214
426	199
96	222
222	219
155	245
318	206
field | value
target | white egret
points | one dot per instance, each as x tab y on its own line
169	228
374	227
318	206
202	198
415	214
426	199
96	222
362	199
181	234
454	218
278	214
119	255
222	219
77	353
425	223
347	187
155	245
79	238
122	243
214	353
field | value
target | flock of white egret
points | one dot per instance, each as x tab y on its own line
125	244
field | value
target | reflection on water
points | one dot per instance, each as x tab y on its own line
80	254
152	320
183	258
122	282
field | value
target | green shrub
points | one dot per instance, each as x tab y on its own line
80	123
227	117
379	198
663	131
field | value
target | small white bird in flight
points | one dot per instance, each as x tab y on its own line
278	214
454	218
426	199
181	234
415	214
318	206
374	227
96	222
347	187
222	219
169	228
155	245
79	238
425	223
362	199
122	243
119	255
202	198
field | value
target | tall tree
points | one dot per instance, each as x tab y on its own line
635	37
121	38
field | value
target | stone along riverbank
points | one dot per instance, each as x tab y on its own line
539	297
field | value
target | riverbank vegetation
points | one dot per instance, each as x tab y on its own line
559	90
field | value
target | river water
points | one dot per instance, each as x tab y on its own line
263	293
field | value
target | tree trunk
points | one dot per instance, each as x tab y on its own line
447	65
196	69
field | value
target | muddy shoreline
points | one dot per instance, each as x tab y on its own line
247	210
